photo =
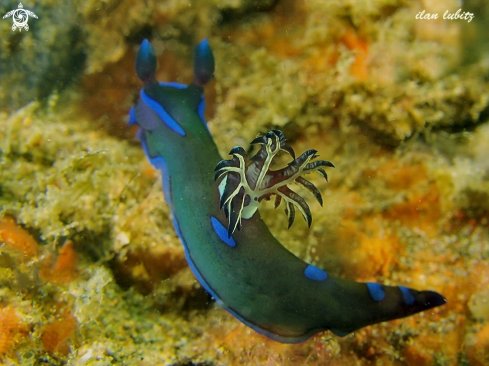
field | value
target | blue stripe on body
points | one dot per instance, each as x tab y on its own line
132	117
173	85
200	108
200	112
160	111
159	163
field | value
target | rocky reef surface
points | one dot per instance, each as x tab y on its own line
91	270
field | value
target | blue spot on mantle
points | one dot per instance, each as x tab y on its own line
377	293
407	296
315	274
222	232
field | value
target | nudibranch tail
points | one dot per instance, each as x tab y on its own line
146	63
246	181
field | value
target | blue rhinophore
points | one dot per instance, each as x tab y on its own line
376	291
203	63
146	62
315	274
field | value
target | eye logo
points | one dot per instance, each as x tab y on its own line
20	17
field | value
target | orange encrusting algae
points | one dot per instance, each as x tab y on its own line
55	335
12	330
422	349
478	353
355	43
64	270
374	251
15	238
421	207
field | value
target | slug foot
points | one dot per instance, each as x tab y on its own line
247	181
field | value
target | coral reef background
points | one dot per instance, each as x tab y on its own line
91	271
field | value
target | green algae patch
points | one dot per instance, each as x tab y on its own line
64	183
62	178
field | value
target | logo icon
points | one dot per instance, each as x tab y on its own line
20	17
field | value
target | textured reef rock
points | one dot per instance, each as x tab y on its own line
348	78
374	66
71	38
47	58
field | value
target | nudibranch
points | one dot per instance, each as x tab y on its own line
247	271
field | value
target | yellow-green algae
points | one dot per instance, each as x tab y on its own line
62	180
47	151
416	215
280	67
413	84
58	177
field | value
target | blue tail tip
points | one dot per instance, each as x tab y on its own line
203	63
146	62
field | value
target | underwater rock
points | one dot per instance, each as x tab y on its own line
46	59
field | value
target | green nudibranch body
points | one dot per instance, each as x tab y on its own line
227	245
